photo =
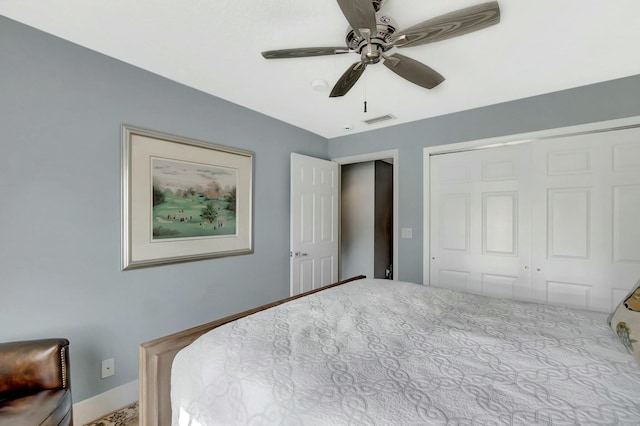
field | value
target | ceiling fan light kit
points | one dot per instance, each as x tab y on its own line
372	33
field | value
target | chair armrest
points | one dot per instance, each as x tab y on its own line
34	365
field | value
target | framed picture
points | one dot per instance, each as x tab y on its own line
183	200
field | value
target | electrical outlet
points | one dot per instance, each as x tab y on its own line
108	368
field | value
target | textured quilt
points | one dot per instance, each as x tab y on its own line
377	352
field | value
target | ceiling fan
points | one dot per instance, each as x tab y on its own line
372	33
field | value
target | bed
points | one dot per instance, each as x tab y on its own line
384	352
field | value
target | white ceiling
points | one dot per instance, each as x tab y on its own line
538	47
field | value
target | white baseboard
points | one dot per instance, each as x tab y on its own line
100	405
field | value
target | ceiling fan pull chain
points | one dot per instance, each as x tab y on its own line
365	93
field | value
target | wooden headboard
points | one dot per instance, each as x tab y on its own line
156	358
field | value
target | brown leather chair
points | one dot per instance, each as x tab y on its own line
34	383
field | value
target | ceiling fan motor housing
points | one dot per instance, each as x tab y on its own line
377	4
379	42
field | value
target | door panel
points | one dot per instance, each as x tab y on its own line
500	286
454	222
479	222
314	223
569	227
500	223
626	208
586	200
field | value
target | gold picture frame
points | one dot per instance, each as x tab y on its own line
183	199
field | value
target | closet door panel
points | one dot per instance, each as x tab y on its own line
479	221
454	222
585	232
500	223
624	203
626	214
569	223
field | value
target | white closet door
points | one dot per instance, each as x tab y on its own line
585	210
480	221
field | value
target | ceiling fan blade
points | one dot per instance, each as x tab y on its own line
348	79
302	52
449	25
414	71
360	14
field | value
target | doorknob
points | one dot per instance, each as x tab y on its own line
300	254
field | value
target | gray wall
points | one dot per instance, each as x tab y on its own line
357	217
61	108
598	102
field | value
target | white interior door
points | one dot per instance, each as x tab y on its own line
480	221
314	223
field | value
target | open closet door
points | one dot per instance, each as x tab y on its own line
314	223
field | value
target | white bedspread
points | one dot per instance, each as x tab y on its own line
394	353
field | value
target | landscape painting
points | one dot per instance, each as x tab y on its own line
183	199
192	200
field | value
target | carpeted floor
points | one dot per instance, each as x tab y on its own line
126	416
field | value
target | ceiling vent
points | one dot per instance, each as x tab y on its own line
379	119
